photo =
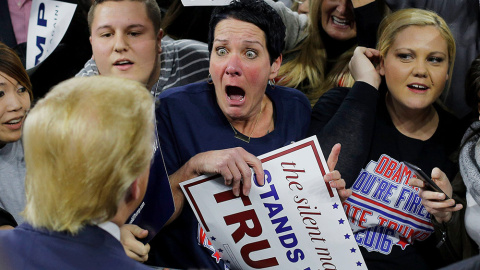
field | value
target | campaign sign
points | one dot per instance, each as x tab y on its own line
188	3
157	206
294	221
49	20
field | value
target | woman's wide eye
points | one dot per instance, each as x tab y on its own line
221	51
251	54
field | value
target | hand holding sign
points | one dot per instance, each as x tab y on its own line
293	221
134	248
334	177
232	164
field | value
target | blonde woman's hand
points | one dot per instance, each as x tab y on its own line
434	202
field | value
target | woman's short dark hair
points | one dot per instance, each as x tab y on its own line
256	12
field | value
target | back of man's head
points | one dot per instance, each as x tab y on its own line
85	144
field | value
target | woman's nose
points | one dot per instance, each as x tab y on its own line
342	6
13	102
233	66
420	69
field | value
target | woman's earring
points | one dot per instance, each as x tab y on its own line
209	79
271	83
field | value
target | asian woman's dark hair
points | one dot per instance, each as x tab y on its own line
11	65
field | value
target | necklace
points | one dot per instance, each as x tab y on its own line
242	137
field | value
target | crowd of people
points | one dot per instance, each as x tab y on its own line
206	90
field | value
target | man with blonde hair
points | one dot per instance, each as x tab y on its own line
88	148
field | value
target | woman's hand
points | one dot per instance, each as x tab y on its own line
134	248
334	177
434	202
362	66
233	164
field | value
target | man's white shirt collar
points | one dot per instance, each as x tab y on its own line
111	228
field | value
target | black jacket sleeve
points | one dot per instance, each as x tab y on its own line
7	219
346	116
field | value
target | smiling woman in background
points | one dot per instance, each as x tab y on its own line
324	53
15	99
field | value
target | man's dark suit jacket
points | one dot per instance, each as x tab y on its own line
92	248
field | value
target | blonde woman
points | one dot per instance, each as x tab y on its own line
381	125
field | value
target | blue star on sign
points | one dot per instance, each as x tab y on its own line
341	221
353	250
220	250
359	263
335	206
213	238
347	236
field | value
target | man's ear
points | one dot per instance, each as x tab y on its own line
90	38
275	67
133	191
159	40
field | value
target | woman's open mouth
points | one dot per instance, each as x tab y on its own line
418	88
235	94
14	124
342	22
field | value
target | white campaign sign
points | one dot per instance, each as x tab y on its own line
205	2
294	221
49	20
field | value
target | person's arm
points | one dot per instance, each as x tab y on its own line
367	20
295	24
347	116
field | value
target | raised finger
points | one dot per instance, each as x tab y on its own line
333	157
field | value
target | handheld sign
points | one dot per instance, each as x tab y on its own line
205	2
157	206
294	221
49	20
